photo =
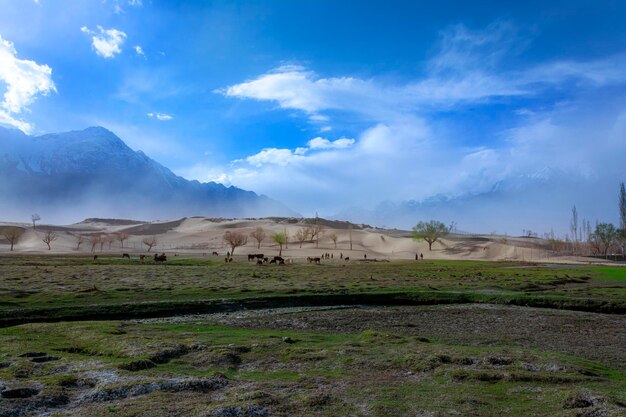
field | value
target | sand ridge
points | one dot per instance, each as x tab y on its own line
202	234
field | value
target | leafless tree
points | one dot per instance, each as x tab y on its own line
79	240
109	239
259	235
333	237
103	239
94	239
573	227
150	242
122	236
49	237
302	235
316	231
13	235
234	240
350	233
35	218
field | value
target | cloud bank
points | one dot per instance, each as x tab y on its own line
566	118
24	80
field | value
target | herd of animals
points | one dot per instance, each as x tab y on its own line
260	258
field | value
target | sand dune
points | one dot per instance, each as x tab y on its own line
199	235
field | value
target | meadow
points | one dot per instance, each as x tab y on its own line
198	336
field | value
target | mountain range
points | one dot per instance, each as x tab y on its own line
93	172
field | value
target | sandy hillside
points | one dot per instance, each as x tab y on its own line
201	235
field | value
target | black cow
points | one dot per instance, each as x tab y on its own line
125	255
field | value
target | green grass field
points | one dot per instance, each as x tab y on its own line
434	339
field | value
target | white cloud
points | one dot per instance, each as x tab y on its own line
139	50
106	42
323	143
408	152
25	80
160	116
272	156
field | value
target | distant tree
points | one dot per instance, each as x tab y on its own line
280	239
109	239
315	232
301	235
49	237
234	240
259	235
35	218
622	216
13	235
122	236
79	240
604	237
350	234
430	231
150	242
95	239
333	237
573	227
622	206
286	238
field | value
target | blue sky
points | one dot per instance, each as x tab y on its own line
328	105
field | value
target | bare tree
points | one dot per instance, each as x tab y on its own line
13	235
104	238
280	239
350	232
122	236
430	231
286	238
35	218
94	239
150	242
622	216
79	240
316	231
302	235
49	237
234	240
259	235
333	237
573	227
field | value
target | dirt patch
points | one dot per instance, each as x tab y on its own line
570	332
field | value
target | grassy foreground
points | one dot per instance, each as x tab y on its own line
468	352
35	288
207	369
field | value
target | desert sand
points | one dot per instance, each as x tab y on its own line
202	236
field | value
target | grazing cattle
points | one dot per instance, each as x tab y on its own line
347	258
125	255
278	259
160	258
230	260
259	262
142	258
273	261
254	256
282	262
215	253
316	260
